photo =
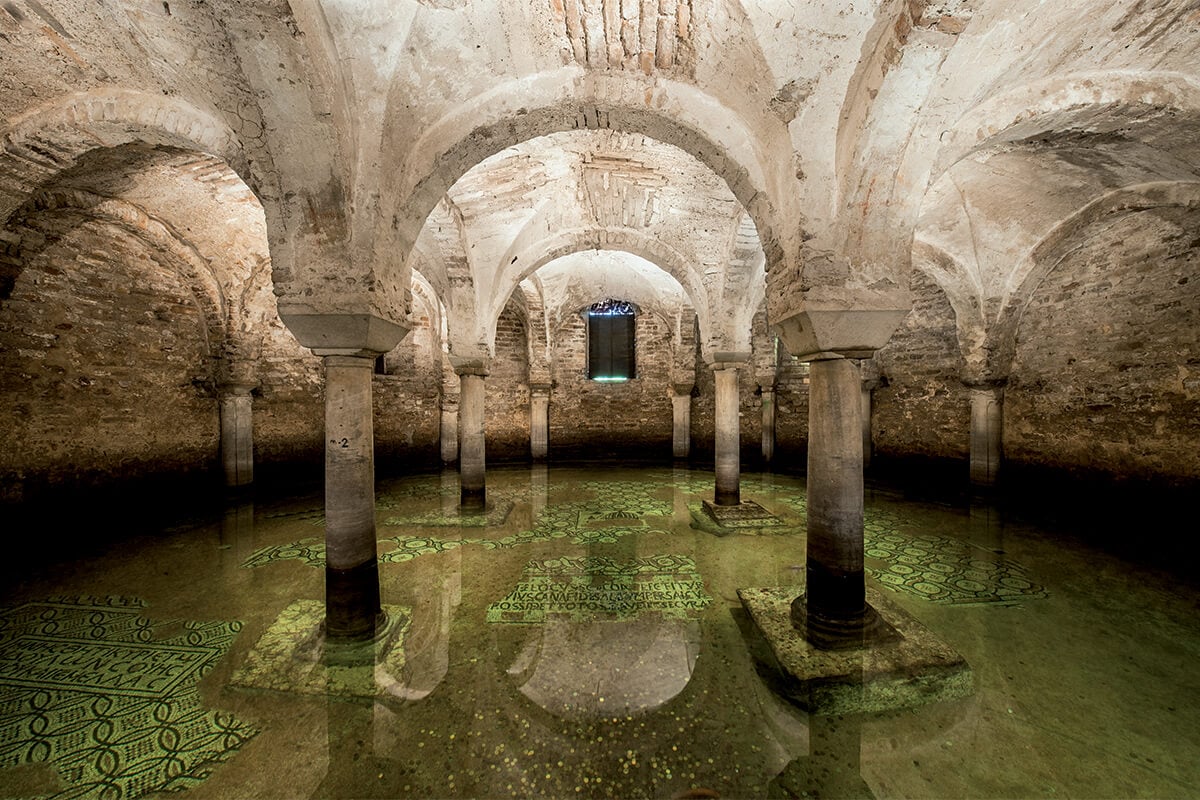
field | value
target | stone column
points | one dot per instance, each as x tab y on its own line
768	422
681	414
987	432
472	459
727	446
836	597
349	344
351	570
827	329
539	421
237	435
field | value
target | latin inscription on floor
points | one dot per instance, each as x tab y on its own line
599	588
132	668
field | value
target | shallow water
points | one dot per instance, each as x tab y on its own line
583	638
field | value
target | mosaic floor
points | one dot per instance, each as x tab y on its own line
934	568
581	637
106	697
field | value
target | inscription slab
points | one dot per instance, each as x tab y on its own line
136	669
591	588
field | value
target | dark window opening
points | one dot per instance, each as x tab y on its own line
611	341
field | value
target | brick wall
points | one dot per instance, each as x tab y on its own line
791	413
1106	377
104	368
594	419
407	399
922	408
507	401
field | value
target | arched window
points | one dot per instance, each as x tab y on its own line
610	341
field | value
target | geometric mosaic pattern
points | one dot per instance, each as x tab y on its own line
944	570
307	551
494	516
108	697
290	656
934	568
596	588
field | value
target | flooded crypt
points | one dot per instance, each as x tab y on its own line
583	398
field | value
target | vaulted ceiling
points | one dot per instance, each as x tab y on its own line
809	153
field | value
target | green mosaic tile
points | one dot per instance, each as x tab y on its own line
94	689
307	551
591	588
406	548
289	657
944	570
494	516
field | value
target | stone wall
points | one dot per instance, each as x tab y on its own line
105	371
506	406
612	420
791	413
289	405
1106	378
407	399
921	407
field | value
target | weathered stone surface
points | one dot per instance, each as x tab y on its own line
766	166
916	669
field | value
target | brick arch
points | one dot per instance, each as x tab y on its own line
751	162
193	270
629	241
37	145
1052	250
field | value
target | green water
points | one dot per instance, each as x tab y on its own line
582	637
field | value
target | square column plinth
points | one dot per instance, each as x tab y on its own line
904	671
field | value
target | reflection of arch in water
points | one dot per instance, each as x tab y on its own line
603	637
604	668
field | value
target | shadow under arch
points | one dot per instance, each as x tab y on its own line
177	256
1088	103
51	138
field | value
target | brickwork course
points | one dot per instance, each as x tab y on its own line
967	197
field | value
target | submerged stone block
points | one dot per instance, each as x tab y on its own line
293	656
745	517
910	670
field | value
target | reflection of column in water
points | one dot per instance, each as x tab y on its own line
237	532
539	477
833	766
986	527
427	642
449	487
679	482
354	769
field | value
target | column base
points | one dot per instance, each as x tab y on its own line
865	629
911	669
473	500
352	610
295	655
727	497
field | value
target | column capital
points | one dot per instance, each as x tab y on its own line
471	365
728	359
847	323
234	389
539	389
682	389
989	384
344	334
